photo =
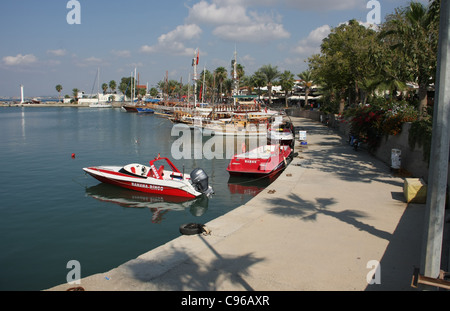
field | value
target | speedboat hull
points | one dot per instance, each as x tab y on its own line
263	161
113	175
151	180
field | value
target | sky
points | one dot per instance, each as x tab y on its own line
42	47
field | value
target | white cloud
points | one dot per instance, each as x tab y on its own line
59	52
257	32
316	5
217	14
19	59
311	44
122	53
233	21
90	62
174	41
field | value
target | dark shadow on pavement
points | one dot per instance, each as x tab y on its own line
294	206
192	274
403	252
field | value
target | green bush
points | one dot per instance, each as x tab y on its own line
379	118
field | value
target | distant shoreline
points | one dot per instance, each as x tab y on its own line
56	104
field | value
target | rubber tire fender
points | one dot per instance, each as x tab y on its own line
191	229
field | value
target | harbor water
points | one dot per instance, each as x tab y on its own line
51	212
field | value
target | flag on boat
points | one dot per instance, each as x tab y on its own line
195	59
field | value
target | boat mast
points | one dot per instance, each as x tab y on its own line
235	80
134	83
131	87
189	90
203	87
195	63
98	85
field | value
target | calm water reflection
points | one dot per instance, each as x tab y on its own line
51	212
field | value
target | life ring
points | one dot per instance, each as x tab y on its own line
191	229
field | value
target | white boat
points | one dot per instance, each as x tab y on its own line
236	129
240	124
99	104
281	131
149	179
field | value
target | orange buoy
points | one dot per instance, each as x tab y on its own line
73	155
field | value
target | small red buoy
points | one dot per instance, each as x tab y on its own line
73	155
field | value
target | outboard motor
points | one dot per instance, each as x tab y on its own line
200	181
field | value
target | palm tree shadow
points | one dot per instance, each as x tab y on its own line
294	206
188	272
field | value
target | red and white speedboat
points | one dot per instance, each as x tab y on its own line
155	180
262	161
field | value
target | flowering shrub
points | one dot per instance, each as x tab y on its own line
372	122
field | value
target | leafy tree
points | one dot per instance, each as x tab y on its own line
413	32
208	91
172	88
126	85
153	92
112	85
307	82
104	88
258	80
344	61
269	74
286	83
220	74
75	92
59	89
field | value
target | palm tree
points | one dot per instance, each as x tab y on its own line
75	92
414	33
287	83
104	88
112	85
258	80
221	75
307	82
270	74
59	89
247	82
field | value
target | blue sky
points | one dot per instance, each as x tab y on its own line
39	49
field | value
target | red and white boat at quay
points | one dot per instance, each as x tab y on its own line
281	131
151	179
263	161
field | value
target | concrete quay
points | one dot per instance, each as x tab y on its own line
323	225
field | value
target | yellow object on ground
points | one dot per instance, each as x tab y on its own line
415	190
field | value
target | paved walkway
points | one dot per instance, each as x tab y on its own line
320	226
